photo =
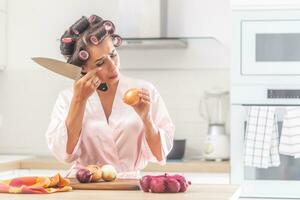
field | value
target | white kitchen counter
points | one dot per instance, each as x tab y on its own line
204	185
195	192
198	172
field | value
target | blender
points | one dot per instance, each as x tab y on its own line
214	109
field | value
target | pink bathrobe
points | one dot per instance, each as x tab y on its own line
121	141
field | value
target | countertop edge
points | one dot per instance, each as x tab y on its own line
184	166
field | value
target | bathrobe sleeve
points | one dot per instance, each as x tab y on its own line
56	134
165	128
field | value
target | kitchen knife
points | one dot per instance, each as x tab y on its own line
65	69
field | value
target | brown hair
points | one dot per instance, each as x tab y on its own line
84	32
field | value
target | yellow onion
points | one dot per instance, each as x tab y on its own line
96	172
131	96
109	173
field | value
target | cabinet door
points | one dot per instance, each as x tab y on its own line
3	40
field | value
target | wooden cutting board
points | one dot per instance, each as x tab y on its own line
118	184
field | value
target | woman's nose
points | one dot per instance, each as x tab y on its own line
110	63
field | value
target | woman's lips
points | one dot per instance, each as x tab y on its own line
113	76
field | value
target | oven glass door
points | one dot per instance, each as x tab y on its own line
289	168
270	47
272	182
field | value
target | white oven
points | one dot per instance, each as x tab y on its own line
265	72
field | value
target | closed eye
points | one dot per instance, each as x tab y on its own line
100	63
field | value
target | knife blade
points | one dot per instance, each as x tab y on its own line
64	69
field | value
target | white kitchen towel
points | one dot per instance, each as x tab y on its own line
290	134
261	138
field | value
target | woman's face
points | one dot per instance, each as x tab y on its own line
104	55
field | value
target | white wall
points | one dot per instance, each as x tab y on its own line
3	38
28	92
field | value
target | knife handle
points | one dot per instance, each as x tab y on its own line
103	86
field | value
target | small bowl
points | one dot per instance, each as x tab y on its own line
178	150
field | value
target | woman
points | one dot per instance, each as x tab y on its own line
95	126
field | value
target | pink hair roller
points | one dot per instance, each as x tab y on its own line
92	19
83	55
75	31
117	40
67	40
94	40
109	27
